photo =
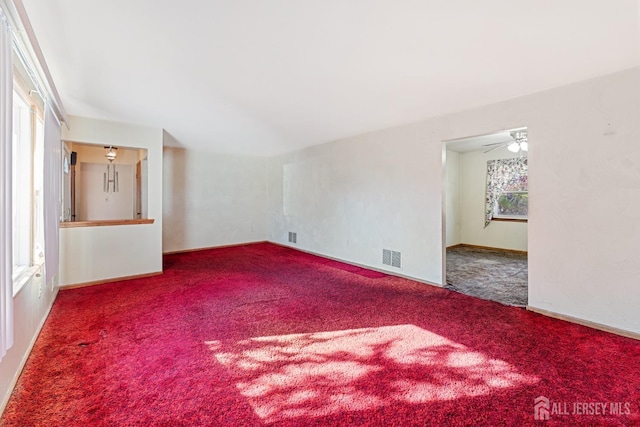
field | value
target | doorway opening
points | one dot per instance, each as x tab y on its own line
485	216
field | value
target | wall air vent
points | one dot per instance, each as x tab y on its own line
293	237
396	259
386	257
392	258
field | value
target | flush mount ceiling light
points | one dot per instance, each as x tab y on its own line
111	153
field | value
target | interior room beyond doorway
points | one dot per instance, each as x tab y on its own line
486	216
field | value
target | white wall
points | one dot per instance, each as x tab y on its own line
90	254
473	181
31	305
96	204
212	199
452	197
584	185
353	197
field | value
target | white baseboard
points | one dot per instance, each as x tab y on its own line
368	267
587	323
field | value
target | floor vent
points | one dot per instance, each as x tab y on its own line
293	237
392	258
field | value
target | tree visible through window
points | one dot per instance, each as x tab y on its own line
507	189
512	204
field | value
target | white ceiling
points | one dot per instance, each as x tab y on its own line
265	77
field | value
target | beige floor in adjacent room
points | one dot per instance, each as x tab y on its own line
491	274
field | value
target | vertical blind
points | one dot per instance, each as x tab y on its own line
6	134
51	192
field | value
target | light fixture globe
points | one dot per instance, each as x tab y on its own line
111	153
519	141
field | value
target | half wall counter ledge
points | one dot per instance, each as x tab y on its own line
104	223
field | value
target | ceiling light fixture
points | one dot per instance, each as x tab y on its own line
111	154
110	183
520	141
514	147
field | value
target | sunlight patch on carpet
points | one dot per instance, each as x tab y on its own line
324	373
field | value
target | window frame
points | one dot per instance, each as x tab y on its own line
21	272
504	175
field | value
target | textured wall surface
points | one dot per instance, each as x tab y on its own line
212	199
351	199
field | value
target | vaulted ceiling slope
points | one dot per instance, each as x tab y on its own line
265	77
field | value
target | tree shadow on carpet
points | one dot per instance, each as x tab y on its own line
325	373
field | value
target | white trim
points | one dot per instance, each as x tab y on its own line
28	50
523	217
25	275
587	323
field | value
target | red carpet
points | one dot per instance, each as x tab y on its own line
263	335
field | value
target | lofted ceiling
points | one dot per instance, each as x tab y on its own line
266	77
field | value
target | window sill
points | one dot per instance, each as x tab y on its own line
525	220
25	276
104	223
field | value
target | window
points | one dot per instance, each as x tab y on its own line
27	183
507	194
512	205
